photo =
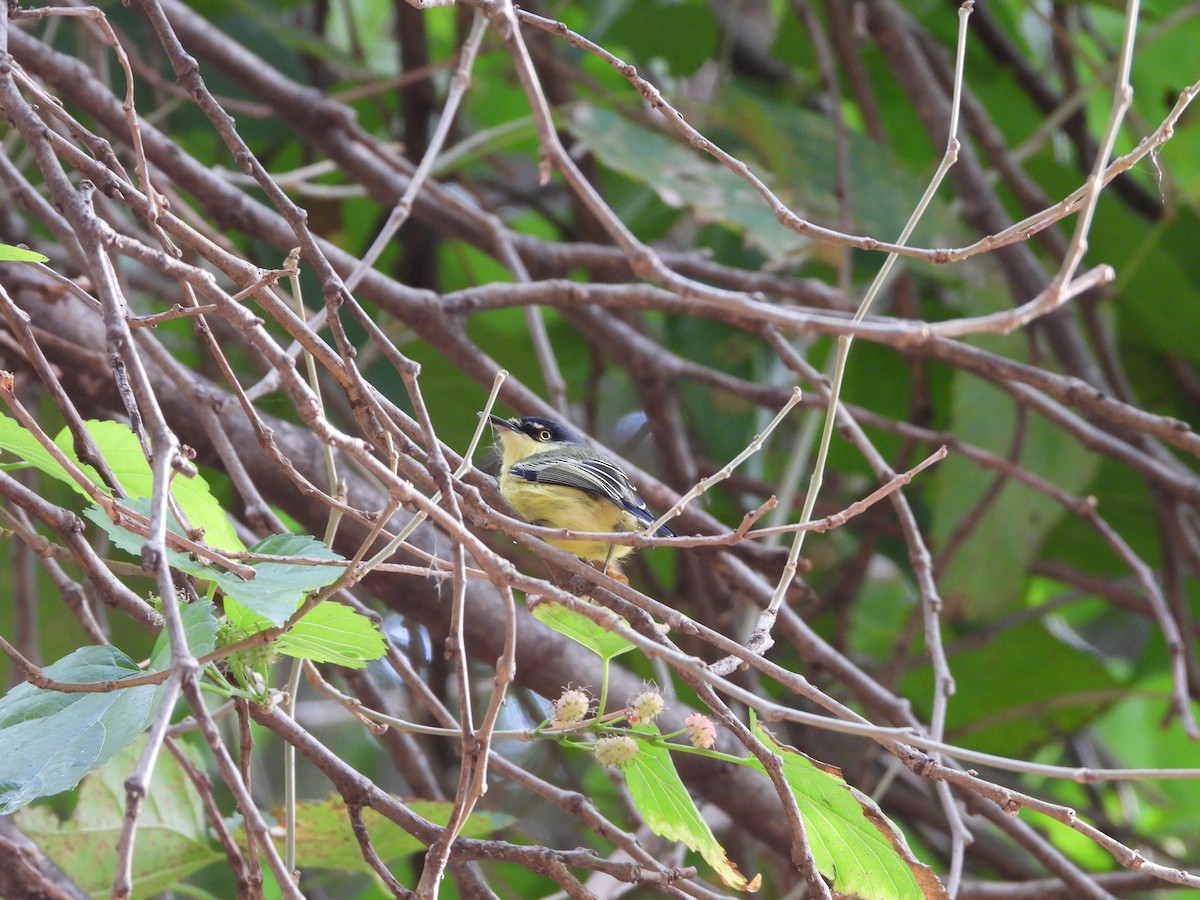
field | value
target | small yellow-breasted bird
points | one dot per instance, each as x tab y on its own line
553	478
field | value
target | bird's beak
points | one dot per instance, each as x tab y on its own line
497	422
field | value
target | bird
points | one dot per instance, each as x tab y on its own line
553	478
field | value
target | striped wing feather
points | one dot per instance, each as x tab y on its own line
597	476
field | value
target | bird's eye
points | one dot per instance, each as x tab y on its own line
544	435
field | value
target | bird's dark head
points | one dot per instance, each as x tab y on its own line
538	429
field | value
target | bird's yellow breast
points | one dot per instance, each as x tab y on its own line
555	506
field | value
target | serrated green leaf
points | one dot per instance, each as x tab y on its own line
132	543
9	253
21	443
668	809
120	448
277	589
52	739
172	836
331	632
854	845
581	629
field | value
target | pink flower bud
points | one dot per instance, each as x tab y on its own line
701	731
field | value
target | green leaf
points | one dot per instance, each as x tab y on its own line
1137	733
669	811
9	253
132	543
120	448
856	848
277	589
1158	274
987	574
52	739
1022	689
684	178
331	632
325	839
784	138
200	627
692	27
581	629
172	837
21	443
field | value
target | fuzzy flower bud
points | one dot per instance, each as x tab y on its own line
615	750
570	708
645	707
701	731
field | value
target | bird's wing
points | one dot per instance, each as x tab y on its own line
596	476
